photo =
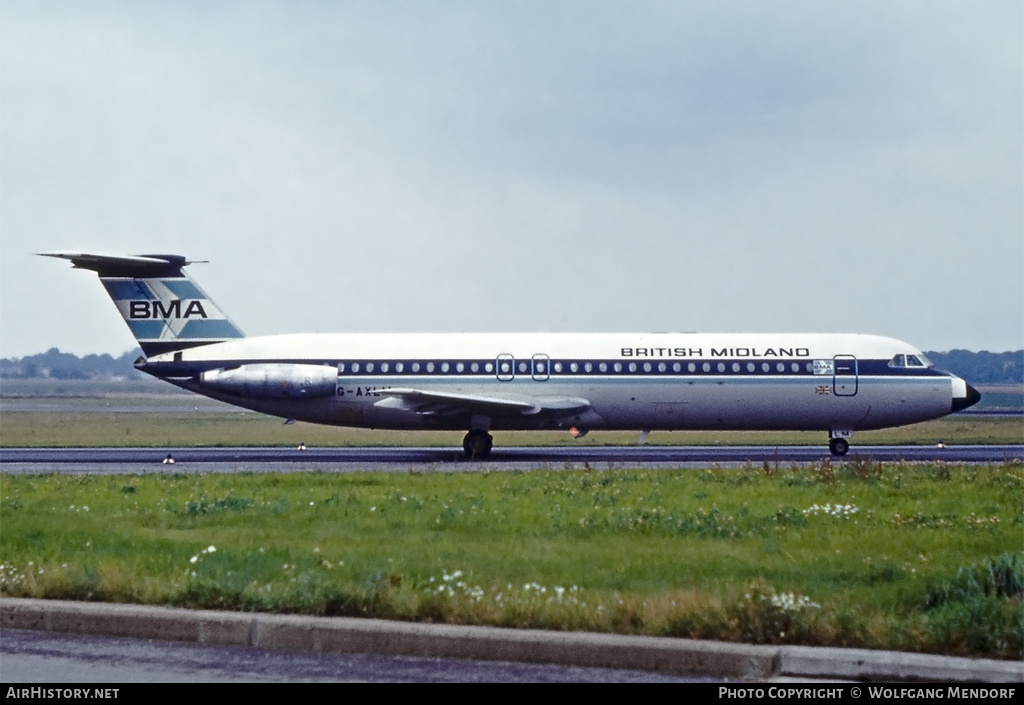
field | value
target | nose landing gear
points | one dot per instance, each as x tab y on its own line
839	441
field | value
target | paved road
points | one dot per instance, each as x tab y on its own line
136	460
46	657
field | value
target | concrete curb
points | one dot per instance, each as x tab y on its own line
351	635
868	665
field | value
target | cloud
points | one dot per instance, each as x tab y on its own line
496	166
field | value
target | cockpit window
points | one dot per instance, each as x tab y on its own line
917	361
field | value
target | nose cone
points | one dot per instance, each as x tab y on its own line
964	395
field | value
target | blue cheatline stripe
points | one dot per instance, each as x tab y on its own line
717	368
128	291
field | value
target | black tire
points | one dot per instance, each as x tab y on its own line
838	446
477	445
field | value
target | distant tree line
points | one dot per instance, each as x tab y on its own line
60	365
976	367
982	367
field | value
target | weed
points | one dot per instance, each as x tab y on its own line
1001	577
825	472
765	616
200	507
981	610
864	467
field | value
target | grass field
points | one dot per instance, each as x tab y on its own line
175	428
919	557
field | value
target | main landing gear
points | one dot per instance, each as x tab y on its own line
838	446
477	444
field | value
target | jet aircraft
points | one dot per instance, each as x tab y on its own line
480	382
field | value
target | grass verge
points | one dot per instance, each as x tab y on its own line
916	557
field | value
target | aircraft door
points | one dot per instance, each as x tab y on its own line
844	376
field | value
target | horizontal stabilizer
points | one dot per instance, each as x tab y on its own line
125	265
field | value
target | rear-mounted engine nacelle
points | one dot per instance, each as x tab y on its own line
273	381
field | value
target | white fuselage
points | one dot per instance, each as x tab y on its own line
644	381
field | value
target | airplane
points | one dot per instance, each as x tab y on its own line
480	382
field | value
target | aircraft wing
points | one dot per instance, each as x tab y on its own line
431	403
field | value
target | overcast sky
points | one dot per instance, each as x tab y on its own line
520	166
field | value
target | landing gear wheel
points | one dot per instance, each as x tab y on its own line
838	446
477	445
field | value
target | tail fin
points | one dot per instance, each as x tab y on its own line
162	306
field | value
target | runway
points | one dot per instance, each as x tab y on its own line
143	460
